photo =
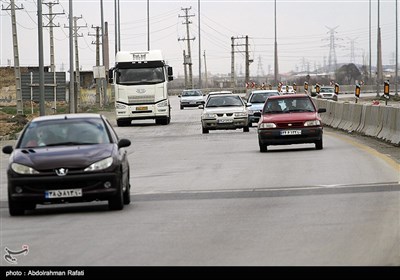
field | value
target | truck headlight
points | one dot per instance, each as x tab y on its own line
120	106
100	165
162	104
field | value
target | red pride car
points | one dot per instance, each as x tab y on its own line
289	119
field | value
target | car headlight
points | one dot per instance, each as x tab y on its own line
266	125
209	116
23	169
162	104
312	123
100	165
240	114
120	106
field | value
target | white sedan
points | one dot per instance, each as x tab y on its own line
224	111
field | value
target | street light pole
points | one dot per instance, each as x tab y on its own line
148	25
275	51
200	81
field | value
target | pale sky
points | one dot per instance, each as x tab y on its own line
302	27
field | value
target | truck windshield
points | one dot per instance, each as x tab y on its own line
139	76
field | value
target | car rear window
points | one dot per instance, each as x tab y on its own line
288	105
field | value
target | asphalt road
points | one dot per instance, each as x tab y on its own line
214	199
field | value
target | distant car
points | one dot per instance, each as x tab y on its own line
255	103
224	111
287	90
191	98
289	119
327	92
67	158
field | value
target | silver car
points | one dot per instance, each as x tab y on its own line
191	98
327	93
224	111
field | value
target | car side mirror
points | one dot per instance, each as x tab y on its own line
321	110
249	104
179	96
201	106
8	149
122	143
257	114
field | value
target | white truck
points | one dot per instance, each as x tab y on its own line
140	80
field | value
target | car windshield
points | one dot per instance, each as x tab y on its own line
192	93
64	132
326	90
261	97
288	105
224	101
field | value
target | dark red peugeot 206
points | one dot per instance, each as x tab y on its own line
290	119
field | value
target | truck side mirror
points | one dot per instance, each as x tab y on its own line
170	73
110	75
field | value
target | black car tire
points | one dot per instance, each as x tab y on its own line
319	145
246	129
117	201
123	123
263	148
127	195
15	208
182	107
205	130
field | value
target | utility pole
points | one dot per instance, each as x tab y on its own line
41	60
17	70
199	32
71	60
232	62
105	81
205	69
98	83
369	42
276	72
379	56
396	93
50	16
77	84
247	58
188	39
106	61
184	69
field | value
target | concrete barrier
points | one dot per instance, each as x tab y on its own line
391	125
382	122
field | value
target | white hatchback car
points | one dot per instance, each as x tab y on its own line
224	111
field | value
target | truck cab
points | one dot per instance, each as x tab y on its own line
140	80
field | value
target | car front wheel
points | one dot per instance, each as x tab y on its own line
117	201
15	208
319	145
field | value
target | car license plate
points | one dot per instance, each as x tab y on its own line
63	193
142	108
291	132
225	121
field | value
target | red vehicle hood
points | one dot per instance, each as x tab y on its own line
289	117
